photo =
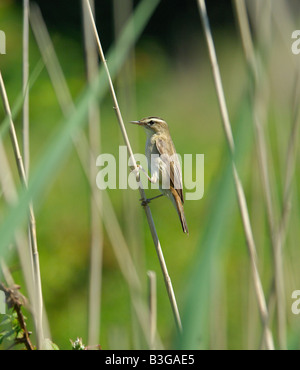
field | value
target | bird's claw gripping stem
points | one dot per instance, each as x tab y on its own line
144	202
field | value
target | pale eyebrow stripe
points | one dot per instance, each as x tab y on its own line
156	119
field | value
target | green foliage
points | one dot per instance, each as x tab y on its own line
11	332
77	344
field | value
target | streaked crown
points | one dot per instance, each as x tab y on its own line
155	124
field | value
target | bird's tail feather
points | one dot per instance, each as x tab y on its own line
179	207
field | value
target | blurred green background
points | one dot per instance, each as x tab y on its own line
168	74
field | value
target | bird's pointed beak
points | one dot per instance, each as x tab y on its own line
137	123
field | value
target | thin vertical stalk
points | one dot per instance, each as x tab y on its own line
25	132
81	145
96	224
283	22
25	117
152	307
156	241
238	185
291	160
38	301
263	167
125	87
10	195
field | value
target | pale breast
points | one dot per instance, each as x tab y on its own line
153	158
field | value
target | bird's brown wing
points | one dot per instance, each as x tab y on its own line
168	155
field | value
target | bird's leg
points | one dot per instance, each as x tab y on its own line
144	202
152	179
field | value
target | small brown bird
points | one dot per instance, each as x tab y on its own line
163	162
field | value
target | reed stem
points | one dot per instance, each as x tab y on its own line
238	185
38	301
156	241
274	234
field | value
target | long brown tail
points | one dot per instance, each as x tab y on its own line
179	207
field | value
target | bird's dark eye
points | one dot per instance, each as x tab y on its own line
151	123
